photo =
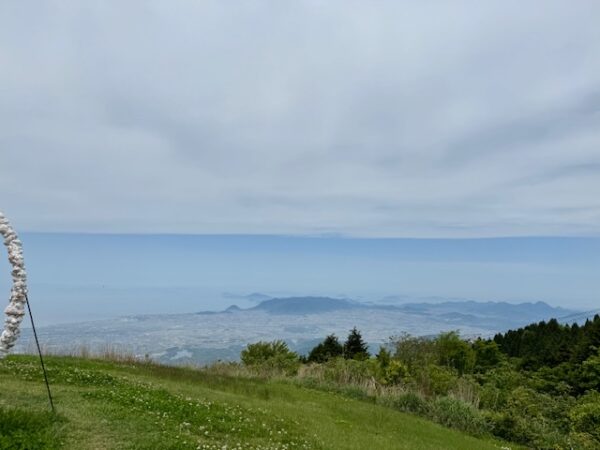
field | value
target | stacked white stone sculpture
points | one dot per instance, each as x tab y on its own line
18	294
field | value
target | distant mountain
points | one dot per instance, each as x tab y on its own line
406	299
255	297
301	321
304	305
522	311
579	317
230	309
471	312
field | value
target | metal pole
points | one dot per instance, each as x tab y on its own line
37	343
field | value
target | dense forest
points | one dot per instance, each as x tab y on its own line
538	385
550	344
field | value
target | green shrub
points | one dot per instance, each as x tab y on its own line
412	403
487	355
532	418
393	373
467	390
348	371
583	441
536	433
589	374
437	380
453	352
458	414
271	356
497	385
585	416
413	351
509	426
491	397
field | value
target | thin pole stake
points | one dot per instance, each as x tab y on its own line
37	343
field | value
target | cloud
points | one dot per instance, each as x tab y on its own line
361	119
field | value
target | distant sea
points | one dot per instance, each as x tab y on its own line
75	277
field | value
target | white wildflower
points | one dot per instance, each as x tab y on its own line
18	294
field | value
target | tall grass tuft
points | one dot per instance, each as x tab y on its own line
29	430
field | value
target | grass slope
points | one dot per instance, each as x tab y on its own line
105	405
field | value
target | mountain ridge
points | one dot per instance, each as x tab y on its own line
320	304
204	337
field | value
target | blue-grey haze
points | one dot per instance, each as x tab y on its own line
84	276
221	129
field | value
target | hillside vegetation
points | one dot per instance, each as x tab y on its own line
139	405
538	386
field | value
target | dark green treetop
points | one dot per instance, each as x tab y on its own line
355	347
326	350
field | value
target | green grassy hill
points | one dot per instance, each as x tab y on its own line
105	405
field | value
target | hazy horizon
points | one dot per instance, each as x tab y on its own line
88	276
327	148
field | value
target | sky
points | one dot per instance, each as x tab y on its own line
365	119
383	131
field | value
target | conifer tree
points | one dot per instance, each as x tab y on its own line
355	347
329	348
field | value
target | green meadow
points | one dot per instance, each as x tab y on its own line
135	405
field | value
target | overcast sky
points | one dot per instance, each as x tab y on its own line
372	118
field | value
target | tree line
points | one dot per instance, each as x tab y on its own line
538	385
